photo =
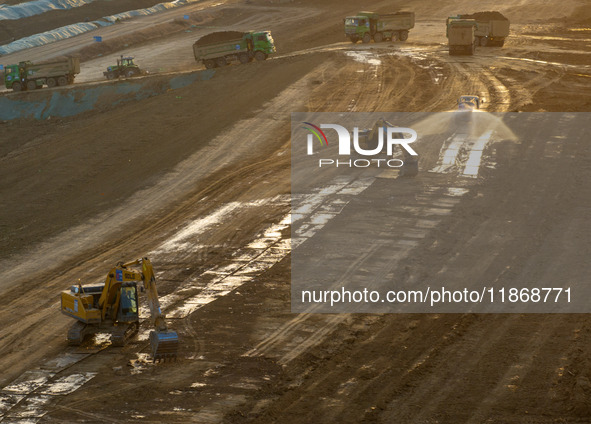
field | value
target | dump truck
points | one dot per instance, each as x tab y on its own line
113	308
493	28
461	35
125	67
30	76
367	26
220	48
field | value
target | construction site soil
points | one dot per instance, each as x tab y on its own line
198	180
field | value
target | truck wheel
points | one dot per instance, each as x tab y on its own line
260	56
366	38
221	62
243	57
378	37
501	43
130	73
31	85
51	82
209	64
403	35
483	41
61	81
16	86
354	40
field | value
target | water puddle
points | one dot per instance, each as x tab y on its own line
456	191
198	385
475	156
32	407
181	241
364	57
7	401
555	38
543	62
245	386
28	382
422	60
449	153
68	384
29	396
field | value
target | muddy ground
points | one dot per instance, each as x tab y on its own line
198	179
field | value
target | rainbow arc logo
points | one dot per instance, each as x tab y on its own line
318	133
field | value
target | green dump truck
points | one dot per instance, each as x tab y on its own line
461	35
30	76
367	26
493	28
220	48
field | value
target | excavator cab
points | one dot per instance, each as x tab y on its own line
128	301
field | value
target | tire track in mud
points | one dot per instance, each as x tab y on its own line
252	169
529	337
317	336
463	367
280	340
423	359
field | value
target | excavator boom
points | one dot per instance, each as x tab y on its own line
163	341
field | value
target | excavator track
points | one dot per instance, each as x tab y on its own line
77	332
122	333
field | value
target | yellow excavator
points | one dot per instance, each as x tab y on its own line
113	308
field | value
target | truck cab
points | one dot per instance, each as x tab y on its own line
12	73
357	26
262	41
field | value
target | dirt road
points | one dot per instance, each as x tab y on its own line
198	179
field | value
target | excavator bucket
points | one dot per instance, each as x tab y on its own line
164	344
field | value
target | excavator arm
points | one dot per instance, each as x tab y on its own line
164	342
149	280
